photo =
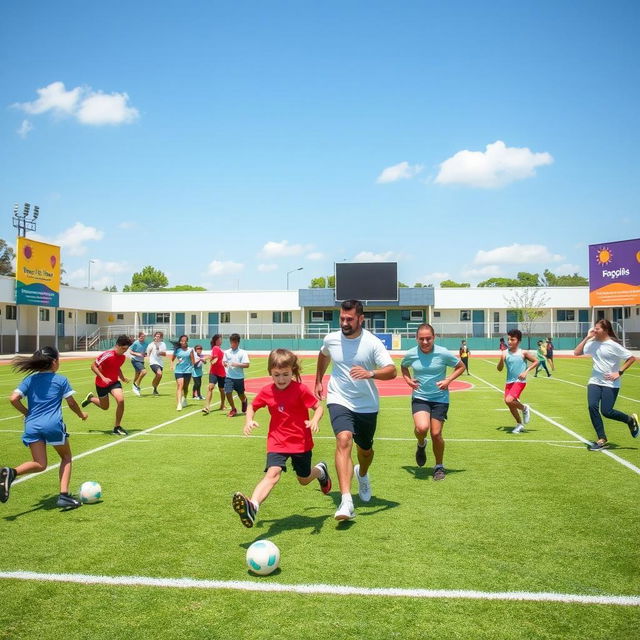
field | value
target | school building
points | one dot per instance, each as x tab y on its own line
90	320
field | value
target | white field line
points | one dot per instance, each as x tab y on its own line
584	386
319	589
577	436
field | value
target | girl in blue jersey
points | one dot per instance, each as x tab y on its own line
43	424
182	362
516	360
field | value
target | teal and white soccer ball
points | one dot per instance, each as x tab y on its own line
90	492
263	557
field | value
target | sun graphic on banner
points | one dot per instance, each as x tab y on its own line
604	255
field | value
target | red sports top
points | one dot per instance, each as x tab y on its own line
218	369
109	363
289	408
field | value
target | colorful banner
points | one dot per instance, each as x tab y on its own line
614	274
37	273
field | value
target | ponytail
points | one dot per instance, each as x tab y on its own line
41	360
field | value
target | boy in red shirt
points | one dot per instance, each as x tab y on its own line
290	429
107	368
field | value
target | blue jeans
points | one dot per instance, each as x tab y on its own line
601	400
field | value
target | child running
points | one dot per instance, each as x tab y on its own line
290	429
542	360
217	373
43	423
155	351
182	362
517	370
198	362
108	370
235	361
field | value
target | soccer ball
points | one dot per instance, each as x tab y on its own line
90	492
263	557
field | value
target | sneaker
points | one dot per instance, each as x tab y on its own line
325	481
633	425
439	473
421	455
7	476
345	511
244	407
245	509
232	413
155	392
184	402
518	429
67	501
87	400
598	445
179	406
364	486
119	431
200	398
526	414
136	390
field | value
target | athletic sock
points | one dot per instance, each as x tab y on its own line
439	466
423	445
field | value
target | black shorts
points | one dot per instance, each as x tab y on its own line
234	384
213	379
183	376
438	410
301	462
105	391
361	425
155	368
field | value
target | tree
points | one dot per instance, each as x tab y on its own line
318	283
530	304
7	256
402	285
453	284
550	279
149	279
499	282
112	288
184	287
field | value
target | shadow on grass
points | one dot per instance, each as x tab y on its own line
424	473
47	503
289	523
510	428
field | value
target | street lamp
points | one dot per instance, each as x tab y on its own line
20	218
89	274
290	272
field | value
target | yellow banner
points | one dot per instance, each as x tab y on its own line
37	273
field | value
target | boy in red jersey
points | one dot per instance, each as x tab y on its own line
107	368
290	429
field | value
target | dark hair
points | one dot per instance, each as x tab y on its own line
41	360
426	325
281	358
176	345
124	341
515	333
347	305
539	341
608	328
215	338
234	337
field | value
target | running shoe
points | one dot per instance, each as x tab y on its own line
67	501
598	445
244	508
345	511
155	392
633	425
232	413
325	480
364	486
87	400
184	402
421	455
518	429
243	409
526	414
199	398
119	431
136	390
7	476
179	406
439	473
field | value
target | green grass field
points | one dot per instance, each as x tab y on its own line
534	513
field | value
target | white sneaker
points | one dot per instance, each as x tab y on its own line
179	407
364	486
345	512
184	402
526	414
136	390
518	429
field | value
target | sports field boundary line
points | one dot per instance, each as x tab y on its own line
577	436
319	589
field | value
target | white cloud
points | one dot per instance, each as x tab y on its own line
267	267
489	271
127	225
73	240
222	268
24	129
401	171
82	103
282	249
369	256
498	166
566	269
102	274
517	254
315	255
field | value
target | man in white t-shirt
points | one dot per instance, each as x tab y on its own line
352	399
155	351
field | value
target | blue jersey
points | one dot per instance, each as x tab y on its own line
44	393
139	347
183	360
429	368
516	364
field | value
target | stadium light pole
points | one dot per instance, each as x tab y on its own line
89	274
290	272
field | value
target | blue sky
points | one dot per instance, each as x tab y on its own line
229	143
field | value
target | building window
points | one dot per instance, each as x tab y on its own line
436	314
281	317
44	315
163	318
321	316
565	315
12	312
225	317
120	316
465	316
69	315
627	312
253	315
417	315
92	317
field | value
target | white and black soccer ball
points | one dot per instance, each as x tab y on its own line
90	492
263	557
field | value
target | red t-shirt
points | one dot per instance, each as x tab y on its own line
289	408
218	369
109	363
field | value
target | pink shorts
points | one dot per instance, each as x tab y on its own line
514	389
